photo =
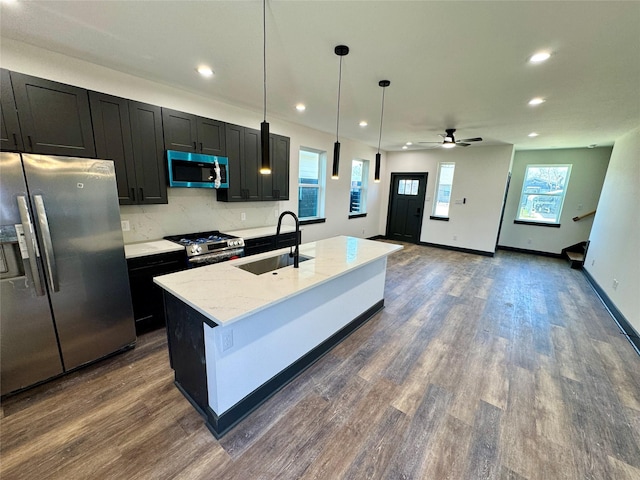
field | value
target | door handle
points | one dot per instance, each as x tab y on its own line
195	146
32	246
30	142
15	139
133	194
141	194
49	257
201	147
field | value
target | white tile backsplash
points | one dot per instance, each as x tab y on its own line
194	210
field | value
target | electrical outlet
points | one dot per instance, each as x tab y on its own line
615	284
243	216
227	340
125	225
579	207
593	262
455	236
528	241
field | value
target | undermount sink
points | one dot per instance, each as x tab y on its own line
270	264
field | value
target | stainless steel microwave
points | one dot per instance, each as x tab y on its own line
196	170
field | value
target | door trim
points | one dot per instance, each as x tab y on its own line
394	175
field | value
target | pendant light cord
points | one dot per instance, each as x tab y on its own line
381	116
339	84
264	54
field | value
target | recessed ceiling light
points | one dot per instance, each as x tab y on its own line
536	101
301	107
593	145
404	147
363	123
539	57
409	143
533	134
205	71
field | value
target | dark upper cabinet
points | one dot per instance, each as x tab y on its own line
191	133
148	152
10	136
112	134
55	118
243	145
276	185
245	181
130	134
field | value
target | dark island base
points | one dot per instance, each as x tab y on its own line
187	357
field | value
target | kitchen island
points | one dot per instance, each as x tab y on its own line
236	337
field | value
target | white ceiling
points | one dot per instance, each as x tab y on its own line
459	64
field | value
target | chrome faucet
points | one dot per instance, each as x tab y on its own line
296	253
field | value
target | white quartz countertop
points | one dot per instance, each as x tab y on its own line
258	232
224	293
143	249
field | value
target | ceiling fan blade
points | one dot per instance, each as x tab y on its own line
431	142
462	144
477	139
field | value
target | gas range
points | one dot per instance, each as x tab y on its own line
204	248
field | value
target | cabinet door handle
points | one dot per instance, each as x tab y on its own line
15	139
133	194
201	149
141	194
195	147
30	142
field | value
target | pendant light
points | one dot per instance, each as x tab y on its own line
265	166
341	51
384	84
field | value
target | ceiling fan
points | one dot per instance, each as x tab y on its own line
449	141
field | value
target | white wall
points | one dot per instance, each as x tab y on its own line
614	251
585	182
480	176
193	209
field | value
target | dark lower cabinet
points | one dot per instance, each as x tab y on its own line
139	162
10	134
55	118
148	307
253	246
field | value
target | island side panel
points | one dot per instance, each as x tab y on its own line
270	340
185	337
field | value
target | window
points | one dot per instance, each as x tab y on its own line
359	176
443	190
543	193
311	183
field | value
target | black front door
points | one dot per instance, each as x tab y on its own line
406	206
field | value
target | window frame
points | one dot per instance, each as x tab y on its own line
363	188
320	186
434	215
565	185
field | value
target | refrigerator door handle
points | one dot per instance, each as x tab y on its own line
50	259
32	246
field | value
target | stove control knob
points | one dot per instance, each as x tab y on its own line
196	249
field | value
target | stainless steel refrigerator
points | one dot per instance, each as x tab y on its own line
64	298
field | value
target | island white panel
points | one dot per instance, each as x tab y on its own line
271	339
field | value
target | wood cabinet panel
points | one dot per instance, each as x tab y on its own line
10	134
190	133
55	118
112	135
148	152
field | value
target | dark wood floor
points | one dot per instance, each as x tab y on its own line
506	367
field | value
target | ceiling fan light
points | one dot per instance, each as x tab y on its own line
448	145
539	57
